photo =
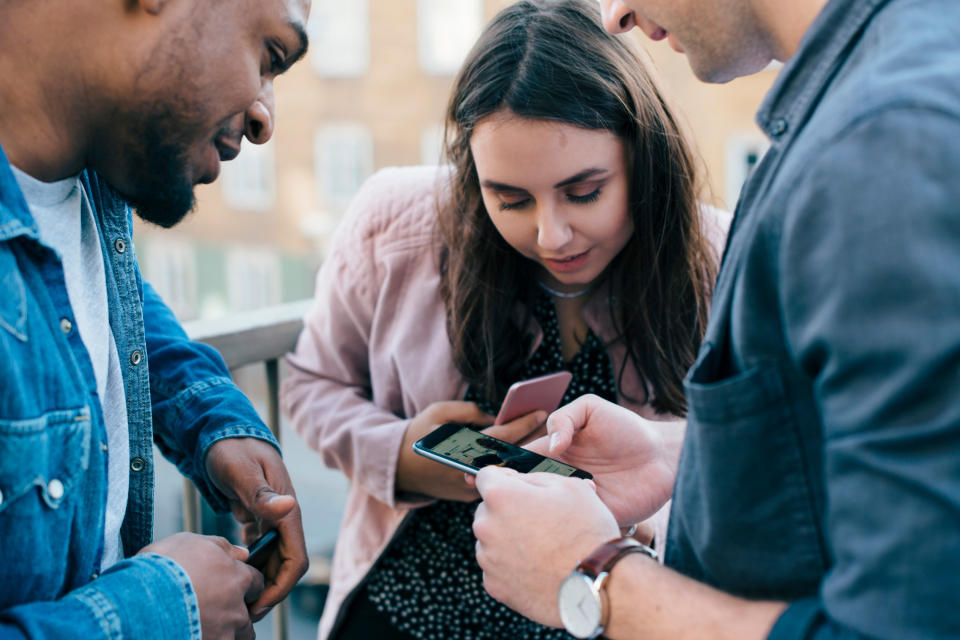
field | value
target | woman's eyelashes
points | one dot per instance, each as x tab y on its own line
576	198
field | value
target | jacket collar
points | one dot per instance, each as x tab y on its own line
15	217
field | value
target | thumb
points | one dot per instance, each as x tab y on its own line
270	505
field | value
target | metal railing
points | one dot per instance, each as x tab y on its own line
251	337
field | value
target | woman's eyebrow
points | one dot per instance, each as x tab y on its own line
580	177
499	186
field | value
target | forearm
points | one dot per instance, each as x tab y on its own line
652	602
147	597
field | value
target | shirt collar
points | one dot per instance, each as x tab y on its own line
823	48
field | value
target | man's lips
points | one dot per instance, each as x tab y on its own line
659	33
570	263
227	150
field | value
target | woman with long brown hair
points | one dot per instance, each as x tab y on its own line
564	233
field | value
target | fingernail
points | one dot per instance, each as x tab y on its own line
554	439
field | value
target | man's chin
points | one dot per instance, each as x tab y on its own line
165	209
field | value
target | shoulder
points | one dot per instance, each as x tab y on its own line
395	206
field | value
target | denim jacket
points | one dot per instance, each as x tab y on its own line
821	463
53	451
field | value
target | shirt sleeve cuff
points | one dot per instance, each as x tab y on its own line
148	596
798	621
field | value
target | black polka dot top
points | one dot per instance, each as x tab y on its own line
428	582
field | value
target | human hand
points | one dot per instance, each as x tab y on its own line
532	530
633	467
223	583
250	472
416	474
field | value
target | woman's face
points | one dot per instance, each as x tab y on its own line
556	193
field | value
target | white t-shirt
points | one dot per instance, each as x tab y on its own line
66	224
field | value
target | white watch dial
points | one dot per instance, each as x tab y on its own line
581	609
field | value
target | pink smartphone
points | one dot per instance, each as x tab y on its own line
542	392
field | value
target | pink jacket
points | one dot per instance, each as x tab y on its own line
374	353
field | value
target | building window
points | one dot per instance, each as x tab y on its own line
344	159
446	31
431	144
248	180
171	268
743	152
253	278
340	37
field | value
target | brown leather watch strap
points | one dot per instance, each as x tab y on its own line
607	554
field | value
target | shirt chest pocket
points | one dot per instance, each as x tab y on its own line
41	461
747	515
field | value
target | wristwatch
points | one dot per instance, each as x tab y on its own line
583	597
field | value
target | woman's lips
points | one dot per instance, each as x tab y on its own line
566	265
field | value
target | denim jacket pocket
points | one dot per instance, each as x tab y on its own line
13	297
41	460
748	517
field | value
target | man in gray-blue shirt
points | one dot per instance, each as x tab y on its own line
818	491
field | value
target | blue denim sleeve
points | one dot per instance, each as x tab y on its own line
872	240
148	597
195	402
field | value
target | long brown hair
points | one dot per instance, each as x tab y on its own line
552	60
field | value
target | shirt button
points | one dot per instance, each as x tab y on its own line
65	325
120	245
136	357
778	127
55	489
137	464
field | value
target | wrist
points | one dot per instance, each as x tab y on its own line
584	605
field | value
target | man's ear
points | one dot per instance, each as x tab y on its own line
153	7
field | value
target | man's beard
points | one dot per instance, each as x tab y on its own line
162	193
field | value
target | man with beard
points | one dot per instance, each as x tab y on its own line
105	105
818	492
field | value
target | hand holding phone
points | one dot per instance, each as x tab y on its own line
540	393
261	548
458	446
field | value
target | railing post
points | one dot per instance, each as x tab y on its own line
273	421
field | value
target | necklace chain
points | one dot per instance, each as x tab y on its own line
563	294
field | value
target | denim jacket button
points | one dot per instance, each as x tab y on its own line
120	245
778	127
137	464
94	575
65	325
103	446
55	489
1	497
136	357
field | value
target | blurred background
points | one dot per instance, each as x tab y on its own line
371	93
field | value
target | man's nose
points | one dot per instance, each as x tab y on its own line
260	116
617	17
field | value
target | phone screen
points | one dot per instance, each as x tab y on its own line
471	451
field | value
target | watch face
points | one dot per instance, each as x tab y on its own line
581	608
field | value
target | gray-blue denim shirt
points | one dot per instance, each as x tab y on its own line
51	429
822	459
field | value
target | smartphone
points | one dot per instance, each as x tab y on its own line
459	446
261	548
543	392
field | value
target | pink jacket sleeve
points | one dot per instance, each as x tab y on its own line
329	393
